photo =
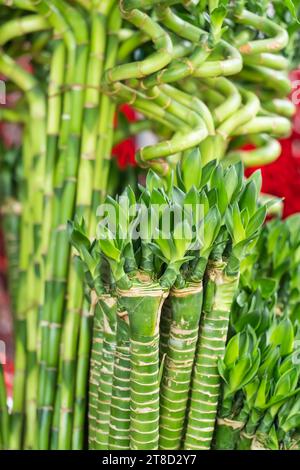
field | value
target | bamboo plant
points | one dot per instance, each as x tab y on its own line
206	77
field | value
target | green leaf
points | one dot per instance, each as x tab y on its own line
229	222
267	286
217	182
165	245
182	237
261	397
128	192
212	197
238	229
270	360
251	373
238	372
282	335
292	422
76	236
232	350
158	198
250	390
256	221
207	172
245	217
217	17
248	198
212	223
204	202
109	249
292	8
192	197
231	181
222	370
256	177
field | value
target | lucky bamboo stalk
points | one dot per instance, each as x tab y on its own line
83	201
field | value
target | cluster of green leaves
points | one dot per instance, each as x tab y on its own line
275	262
261	367
174	222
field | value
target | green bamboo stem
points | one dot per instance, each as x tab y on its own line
145	105
178	365
209	145
173	106
242	116
37	128
232	102
68	357
193	103
279	106
35	99
178	69
231	65
274	125
35	194
105	123
54	124
62	30
21	26
56	81
119	427
178	25
164	328
56	412
266	59
195	133
94	376
154	61
219	292
273	79
247	435
31	392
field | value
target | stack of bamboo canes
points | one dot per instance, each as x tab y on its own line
189	68
260	400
